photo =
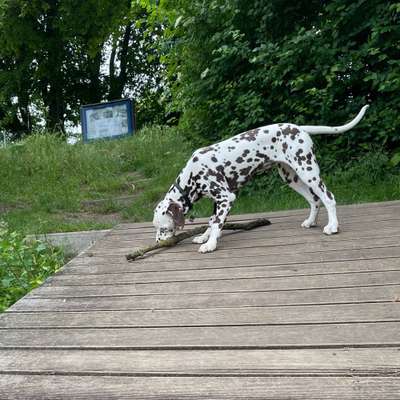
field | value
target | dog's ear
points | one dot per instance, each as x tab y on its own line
176	212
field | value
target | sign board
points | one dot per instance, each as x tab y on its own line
107	120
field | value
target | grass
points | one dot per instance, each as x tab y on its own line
50	186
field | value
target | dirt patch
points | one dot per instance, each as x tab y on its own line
4	208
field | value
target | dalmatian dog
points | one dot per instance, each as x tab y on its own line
219	170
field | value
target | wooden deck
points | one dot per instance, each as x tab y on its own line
276	313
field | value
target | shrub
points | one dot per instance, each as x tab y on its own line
24	264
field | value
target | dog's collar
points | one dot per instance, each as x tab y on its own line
185	196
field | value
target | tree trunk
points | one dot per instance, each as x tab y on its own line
118	82
95	87
54	101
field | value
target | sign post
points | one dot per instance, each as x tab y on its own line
111	120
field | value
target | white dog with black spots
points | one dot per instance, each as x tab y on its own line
219	170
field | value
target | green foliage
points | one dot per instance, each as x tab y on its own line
236	65
395	160
24	265
57	55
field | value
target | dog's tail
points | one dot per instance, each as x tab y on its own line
315	130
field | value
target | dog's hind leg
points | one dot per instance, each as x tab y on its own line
310	177
293	180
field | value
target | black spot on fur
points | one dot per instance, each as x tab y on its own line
245	171
315	197
250	136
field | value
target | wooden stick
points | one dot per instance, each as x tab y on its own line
174	240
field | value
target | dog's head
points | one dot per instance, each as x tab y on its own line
168	216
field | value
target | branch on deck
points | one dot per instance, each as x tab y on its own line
196	231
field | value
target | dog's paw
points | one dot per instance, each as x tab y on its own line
207	247
330	229
308	224
200	239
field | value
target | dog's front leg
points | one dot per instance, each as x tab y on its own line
204	237
223	206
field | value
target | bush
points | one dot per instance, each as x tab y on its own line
24	265
242	64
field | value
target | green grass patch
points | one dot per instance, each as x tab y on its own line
46	183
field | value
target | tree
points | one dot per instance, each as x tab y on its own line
54	53
236	65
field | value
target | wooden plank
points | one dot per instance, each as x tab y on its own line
278	237
150	264
297	362
221	286
126	272
103	274
210	337
339	313
265	249
310	243
29	387
213	300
